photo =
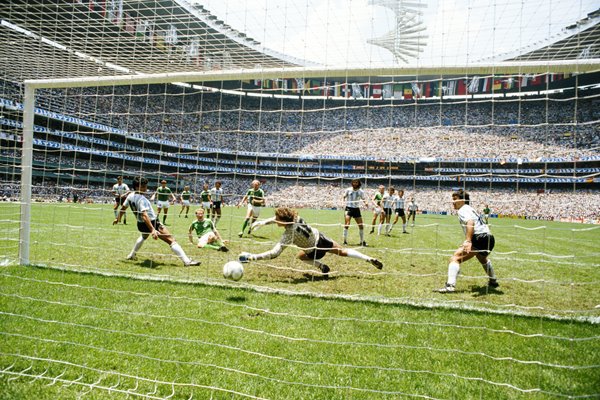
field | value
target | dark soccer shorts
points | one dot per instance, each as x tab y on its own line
324	244
120	199
483	243
142	227
400	212
353	212
216	205
387	211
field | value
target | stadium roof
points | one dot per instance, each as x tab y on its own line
48	39
60	39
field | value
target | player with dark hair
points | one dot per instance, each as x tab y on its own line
412	210
313	244
353	196
216	202
147	222
120	191
479	242
399	210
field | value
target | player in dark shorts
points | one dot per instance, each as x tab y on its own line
313	244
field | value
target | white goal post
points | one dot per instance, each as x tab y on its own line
30	86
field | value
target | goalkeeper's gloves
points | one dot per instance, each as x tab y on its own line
244	257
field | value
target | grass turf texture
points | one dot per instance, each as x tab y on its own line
544	268
65	334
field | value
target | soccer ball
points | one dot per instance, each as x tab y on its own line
233	270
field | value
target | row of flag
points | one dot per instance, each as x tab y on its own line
407	90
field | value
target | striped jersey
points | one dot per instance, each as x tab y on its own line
353	197
216	194
138	204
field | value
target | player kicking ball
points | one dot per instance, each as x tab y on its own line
479	242
313	244
147	222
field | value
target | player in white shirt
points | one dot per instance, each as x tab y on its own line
377	201
412	207
399	210
147	222
479	242
353	196
313	245
120	191
216	200
388	205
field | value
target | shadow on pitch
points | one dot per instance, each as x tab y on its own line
308	277
150	264
485	290
236	299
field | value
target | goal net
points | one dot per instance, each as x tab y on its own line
208	126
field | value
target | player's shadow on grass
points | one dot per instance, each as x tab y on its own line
485	290
148	263
309	277
236	299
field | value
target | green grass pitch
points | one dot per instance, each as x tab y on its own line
85	322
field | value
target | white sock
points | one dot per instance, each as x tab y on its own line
361	233
345	234
136	247
403	227
180	253
489	269
357	254
453	269
379	229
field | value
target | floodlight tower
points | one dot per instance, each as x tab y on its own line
405	40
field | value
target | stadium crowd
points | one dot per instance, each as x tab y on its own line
548	204
505	128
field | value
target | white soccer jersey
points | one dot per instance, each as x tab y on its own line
138	204
398	202
412	206
467	213
299	234
387	201
353	197
121	189
216	194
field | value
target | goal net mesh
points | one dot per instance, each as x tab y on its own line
523	142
